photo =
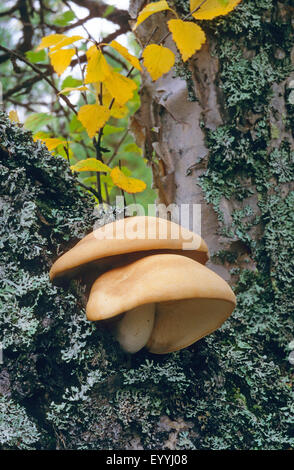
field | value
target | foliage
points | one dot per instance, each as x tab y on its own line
58	125
113	89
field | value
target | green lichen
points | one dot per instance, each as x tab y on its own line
182	71
247	159
16	429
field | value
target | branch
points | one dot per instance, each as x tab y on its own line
92	190
63	29
27	27
41	74
10	11
98	9
22	86
115	152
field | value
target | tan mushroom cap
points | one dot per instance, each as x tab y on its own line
191	301
138	236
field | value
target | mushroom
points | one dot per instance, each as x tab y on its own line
124	241
168	302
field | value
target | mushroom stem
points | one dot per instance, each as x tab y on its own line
134	329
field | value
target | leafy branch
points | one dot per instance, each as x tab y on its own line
113	90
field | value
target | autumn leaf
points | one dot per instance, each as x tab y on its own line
91	164
211	8
117	111
123	51
13	116
40	136
61	59
51	40
150	9
56	41
158	60
127	183
97	68
71	88
93	117
120	87
66	41
188	37
52	143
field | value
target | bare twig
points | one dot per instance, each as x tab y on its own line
41	74
92	190
117	147
10	11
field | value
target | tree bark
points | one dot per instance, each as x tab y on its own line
183	122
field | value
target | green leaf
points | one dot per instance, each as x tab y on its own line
38	120
75	125
108	11
36	56
70	82
112	130
64	19
132	148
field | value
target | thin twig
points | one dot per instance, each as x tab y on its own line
89	188
117	147
122	192
41	74
82	74
107	193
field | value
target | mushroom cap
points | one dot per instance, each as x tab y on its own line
137	236
191	300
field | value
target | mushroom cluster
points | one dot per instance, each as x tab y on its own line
148	279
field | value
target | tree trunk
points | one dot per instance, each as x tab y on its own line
206	114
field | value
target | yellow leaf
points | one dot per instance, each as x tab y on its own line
93	117
90	164
120	87
151	8
13	116
40	136
61	59
211	8
125	53
158	60
69	88
56	41
97	68
52	143
128	184
117	111
188	37
66	41
51	40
